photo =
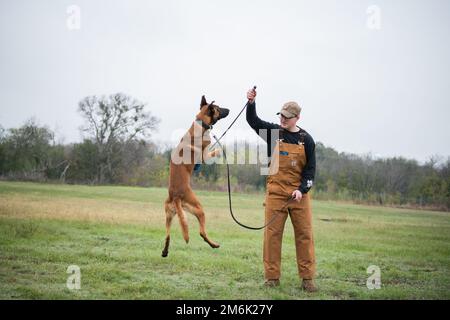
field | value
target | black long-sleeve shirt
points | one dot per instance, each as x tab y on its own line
289	137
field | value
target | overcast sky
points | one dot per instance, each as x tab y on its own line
362	89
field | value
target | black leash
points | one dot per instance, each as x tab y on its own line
229	193
228	177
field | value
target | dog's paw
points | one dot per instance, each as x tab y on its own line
215	153
213	244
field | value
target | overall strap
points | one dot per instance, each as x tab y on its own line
280	134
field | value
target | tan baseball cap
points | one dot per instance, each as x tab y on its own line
290	109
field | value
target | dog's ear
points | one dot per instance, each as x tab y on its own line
211	109
203	102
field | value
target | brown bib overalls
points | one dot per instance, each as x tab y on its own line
281	182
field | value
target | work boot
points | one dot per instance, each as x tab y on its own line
272	283
308	285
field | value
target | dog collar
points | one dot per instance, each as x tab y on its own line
204	125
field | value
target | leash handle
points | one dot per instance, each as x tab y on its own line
254	88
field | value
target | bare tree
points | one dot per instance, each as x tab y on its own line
112	122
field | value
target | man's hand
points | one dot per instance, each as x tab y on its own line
251	95
297	195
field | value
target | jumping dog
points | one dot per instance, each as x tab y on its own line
191	149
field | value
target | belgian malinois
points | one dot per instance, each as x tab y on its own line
191	150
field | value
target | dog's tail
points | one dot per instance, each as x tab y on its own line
183	220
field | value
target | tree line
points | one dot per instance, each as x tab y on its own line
118	149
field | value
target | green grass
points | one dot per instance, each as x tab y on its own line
116	234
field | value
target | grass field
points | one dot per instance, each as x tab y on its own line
116	234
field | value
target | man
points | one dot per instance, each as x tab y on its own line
291	175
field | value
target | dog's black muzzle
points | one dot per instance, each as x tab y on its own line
223	113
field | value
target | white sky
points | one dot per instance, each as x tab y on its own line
362	90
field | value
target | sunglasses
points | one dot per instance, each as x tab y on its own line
284	117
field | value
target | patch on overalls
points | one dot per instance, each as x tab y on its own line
284	153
